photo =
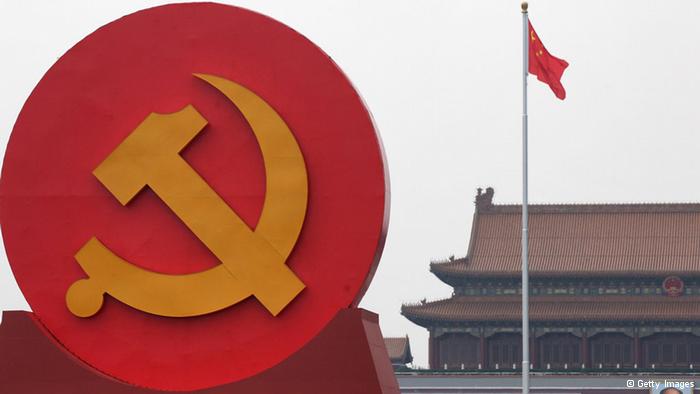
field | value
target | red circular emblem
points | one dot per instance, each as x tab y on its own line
673	286
83	203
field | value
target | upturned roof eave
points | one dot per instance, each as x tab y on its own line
446	274
427	321
424	314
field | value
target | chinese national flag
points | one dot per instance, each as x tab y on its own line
548	68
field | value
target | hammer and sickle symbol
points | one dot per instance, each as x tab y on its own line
252	261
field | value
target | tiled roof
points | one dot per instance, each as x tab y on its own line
594	239
557	308
399	350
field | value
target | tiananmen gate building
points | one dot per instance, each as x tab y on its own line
613	287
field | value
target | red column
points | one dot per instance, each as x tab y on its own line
434	352
431	351
533	350
637	350
584	350
482	350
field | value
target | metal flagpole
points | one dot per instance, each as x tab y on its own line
525	280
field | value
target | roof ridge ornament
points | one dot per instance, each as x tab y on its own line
484	201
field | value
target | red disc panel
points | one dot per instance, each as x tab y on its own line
96	95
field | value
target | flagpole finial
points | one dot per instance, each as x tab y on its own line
523	6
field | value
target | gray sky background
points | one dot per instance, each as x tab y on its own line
442	79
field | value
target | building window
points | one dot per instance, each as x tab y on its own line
667	353
695	353
456	349
504	350
653	354
671	350
610	349
682	353
560	351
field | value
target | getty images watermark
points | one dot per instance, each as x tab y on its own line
662	386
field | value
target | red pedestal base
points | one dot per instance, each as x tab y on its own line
347	357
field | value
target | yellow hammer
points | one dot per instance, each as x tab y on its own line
253	261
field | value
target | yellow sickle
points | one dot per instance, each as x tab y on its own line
253	261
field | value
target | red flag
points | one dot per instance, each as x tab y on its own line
548	68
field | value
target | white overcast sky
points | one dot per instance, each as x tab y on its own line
442	79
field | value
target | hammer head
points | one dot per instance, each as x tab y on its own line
154	142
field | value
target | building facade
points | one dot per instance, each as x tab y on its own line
612	287
399	350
